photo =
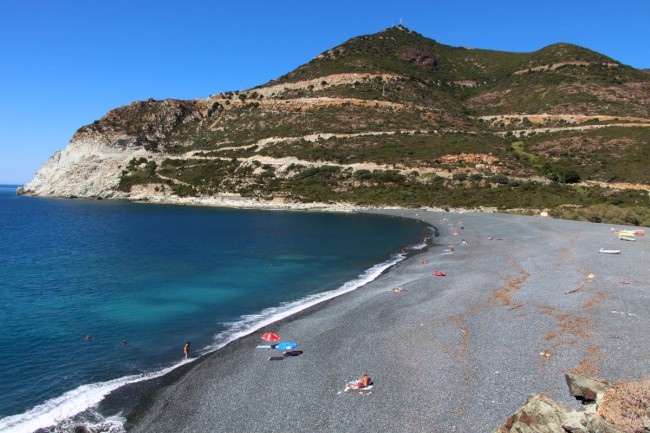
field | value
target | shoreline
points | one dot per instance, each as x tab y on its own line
120	386
234	201
134	394
483	328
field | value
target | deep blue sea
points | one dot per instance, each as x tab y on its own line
157	276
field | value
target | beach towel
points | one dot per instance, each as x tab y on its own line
291	354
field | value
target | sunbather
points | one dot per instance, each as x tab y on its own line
363	382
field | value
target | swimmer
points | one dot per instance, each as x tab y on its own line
186	350
88	337
400	290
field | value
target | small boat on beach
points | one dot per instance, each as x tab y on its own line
604	251
637	232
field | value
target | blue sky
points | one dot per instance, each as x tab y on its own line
65	63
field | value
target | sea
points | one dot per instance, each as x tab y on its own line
98	294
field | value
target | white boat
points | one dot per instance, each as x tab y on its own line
627	238
635	232
604	251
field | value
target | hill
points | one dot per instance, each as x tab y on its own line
392	118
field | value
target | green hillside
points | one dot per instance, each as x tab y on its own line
395	118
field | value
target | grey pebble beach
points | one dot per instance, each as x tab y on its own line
457	353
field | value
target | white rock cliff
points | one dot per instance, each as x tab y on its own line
89	167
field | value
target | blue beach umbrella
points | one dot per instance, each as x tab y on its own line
287	345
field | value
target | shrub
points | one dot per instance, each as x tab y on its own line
570	176
182	190
499	179
626	405
363	174
460	176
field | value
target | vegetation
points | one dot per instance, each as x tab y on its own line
407	131
625	407
139	171
613	154
419	150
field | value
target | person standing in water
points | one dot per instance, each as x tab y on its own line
186	350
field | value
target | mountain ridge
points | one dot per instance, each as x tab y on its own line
394	101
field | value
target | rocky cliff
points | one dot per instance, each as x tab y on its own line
86	168
93	163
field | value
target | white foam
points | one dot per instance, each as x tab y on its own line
66	406
253	322
58	409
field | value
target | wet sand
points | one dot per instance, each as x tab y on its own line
457	353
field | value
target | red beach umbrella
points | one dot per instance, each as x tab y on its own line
270	336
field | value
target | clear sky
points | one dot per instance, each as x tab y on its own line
65	63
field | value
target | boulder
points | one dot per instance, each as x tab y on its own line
538	415
542	415
586	389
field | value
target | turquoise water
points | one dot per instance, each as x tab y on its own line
156	276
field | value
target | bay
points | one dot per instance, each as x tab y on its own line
158	276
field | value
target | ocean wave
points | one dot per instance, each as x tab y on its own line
253	322
60	411
64	413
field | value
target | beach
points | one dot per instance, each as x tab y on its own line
526	300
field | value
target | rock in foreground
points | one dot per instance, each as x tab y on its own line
621	408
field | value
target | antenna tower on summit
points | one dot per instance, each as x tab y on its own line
400	21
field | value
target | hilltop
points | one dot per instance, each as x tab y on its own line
392	118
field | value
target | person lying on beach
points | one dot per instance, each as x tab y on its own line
363	385
363	382
423	262
400	290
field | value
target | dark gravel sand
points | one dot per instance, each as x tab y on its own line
457	353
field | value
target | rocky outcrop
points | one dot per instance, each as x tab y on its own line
555	66
88	168
92	164
420	58
586	389
540	414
